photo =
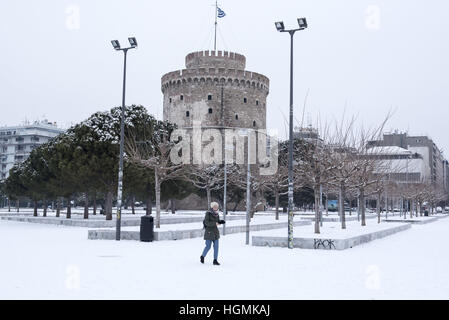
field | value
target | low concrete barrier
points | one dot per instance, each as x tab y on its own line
420	220
327	244
107	234
100	222
6	214
337	218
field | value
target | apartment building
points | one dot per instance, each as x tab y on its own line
17	142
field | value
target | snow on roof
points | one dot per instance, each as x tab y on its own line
389	150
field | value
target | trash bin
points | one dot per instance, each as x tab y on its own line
146	228
426	213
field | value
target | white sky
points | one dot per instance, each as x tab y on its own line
365	57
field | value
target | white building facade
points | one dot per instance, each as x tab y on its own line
16	143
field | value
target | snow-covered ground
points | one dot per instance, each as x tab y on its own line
55	262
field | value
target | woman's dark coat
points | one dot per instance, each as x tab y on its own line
210	221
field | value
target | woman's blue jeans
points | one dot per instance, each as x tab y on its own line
207	248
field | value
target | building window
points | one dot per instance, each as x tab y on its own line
19	139
35	139
170	100
236	117
245	100
257	102
182	97
210	110
187	114
254	123
209	97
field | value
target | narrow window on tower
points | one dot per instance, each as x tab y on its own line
170	100
182	97
236	117
187	114
245	100
257	102
210	110
254	123
209	97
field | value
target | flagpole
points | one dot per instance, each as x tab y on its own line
215	38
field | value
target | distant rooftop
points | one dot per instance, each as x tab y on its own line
389	150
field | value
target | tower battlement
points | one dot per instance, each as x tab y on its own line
212	59
229	95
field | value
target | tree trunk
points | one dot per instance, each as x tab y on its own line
342	205
158	199
35	208
69	209
58	207
362	205
149	203
350	207
9	205
276	202
252	209
412	208
326	205
86	206
173	206
45	208
317	208
18	205
108	208
133	201
208	198
95	204
378	207
416	208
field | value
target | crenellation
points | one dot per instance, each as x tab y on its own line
206	72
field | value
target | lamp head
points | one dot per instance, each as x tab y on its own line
132	42
279	26
116	44
302	22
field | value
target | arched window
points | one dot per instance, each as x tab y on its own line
236	117
254	123
187	114
210	110
245	100
257	102
182	97
209	97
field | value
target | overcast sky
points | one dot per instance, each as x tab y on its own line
361	57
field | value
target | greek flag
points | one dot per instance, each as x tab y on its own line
221	13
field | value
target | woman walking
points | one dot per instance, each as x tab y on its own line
211	234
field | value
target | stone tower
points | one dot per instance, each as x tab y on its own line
195	93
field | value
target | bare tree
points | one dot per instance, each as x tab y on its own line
204	177
154	153
344	165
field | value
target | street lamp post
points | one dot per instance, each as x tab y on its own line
280	27
247	133
116	45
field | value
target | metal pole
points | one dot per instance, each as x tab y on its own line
290	151
248	189
321	205
225	166
120	170
215	38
